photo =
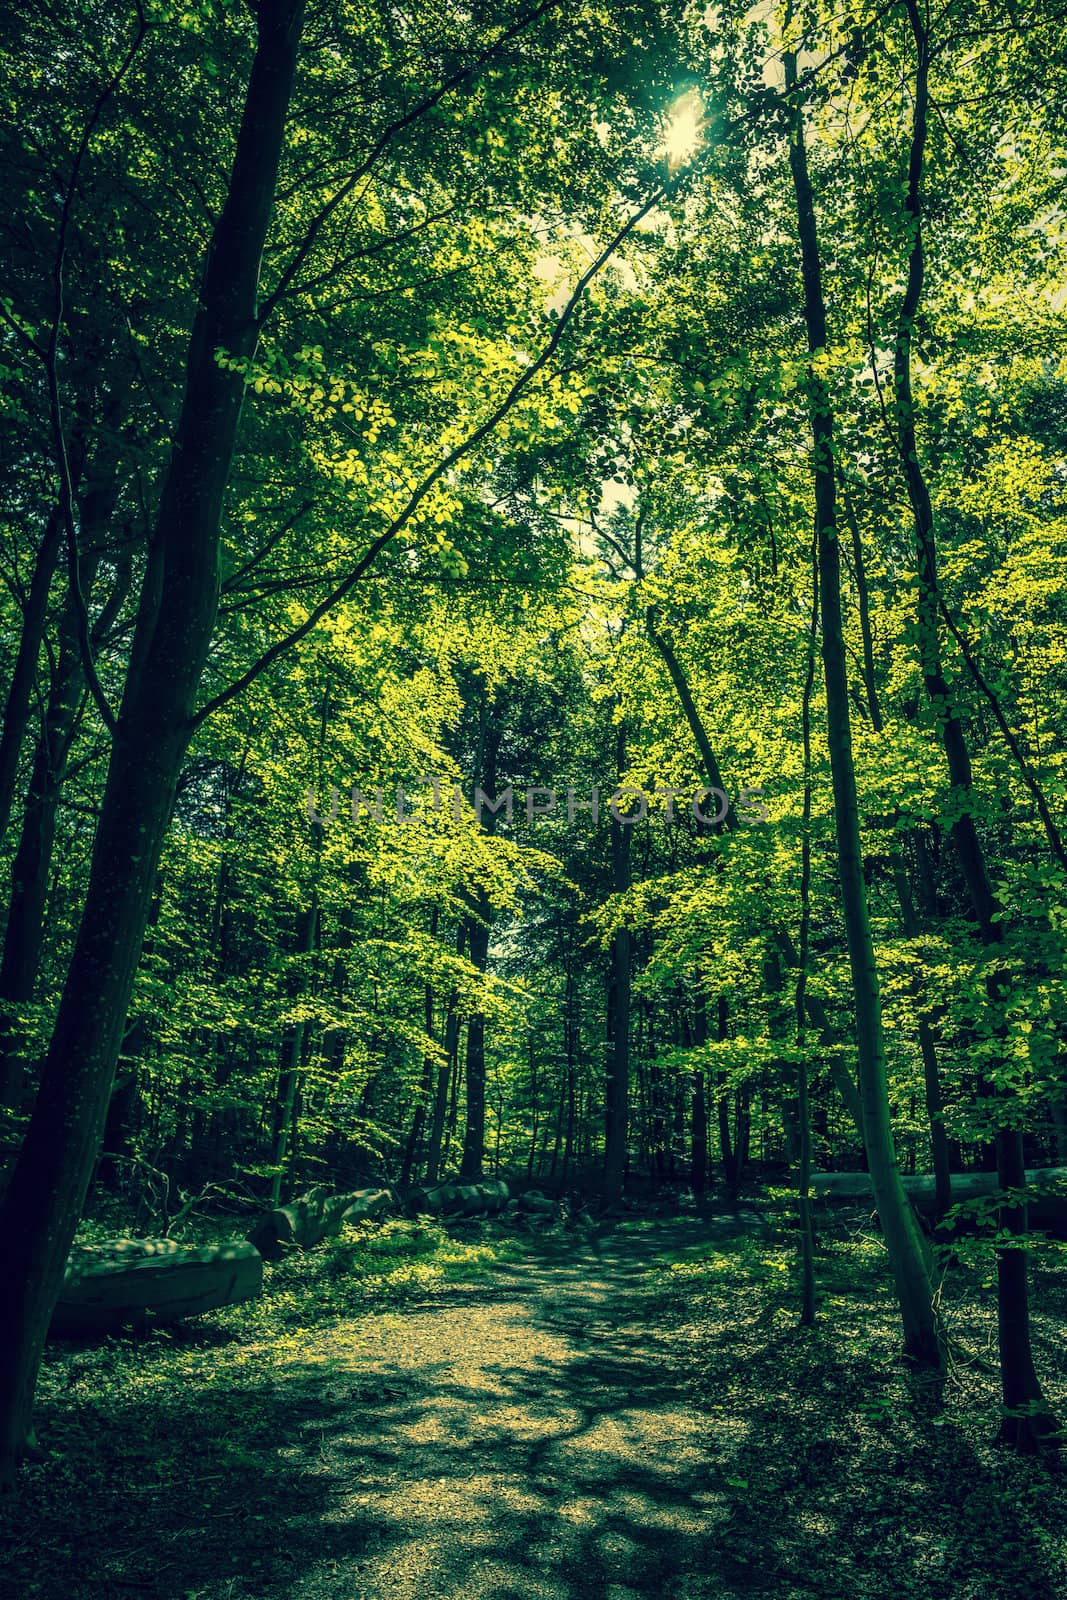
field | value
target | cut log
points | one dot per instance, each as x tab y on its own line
1047	1211
131	1281
460	1199
315	1216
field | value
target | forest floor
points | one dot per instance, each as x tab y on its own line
484	1415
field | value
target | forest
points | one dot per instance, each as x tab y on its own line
533	758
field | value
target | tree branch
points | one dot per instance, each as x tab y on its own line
445	465
307	244
49	357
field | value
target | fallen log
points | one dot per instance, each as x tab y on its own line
127	1282
315	1216
460	1199
1047	1210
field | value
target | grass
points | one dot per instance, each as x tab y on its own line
848	1455
179	1460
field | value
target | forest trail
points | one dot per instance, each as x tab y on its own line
529	1440
572	1422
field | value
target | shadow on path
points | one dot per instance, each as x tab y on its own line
533	1439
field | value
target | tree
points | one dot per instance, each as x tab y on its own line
175	624
903	1240
1028	1423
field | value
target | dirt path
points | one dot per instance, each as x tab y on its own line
570	1426
529	1444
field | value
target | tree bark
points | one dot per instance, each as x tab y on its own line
804	1218
903	1240
1028	1423
444	1073
699	1169
20	689
32	861
108	1287
617	1088
472	1162
418	1120
479	925
174	630
285	1098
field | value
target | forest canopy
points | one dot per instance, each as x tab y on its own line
534	618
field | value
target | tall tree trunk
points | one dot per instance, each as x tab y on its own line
472	1162
742	1137
572	1109
863	606
617	1089
32	862
1028	1423
445	1070
24	670
903	1239
418	1120
535	1123
30	869
927	1042
805	1226
567	1099
453	1102
174	629
479	924
699	1168
722	1108
289	1062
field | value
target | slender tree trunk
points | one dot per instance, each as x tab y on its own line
285	1099
444	1073
570	1034
572	1108
692	716
445	1070
617	1096
479	924
44	1199
1028	1423
20	689
124	1105
657	1122
726	1143
472	1163
453	1103
29	881
418	1121
863	606
32	861
927	1042
557	1141
742	1137
699	1171
805	1226
903	1239
534	1108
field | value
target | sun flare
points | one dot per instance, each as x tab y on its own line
684	131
